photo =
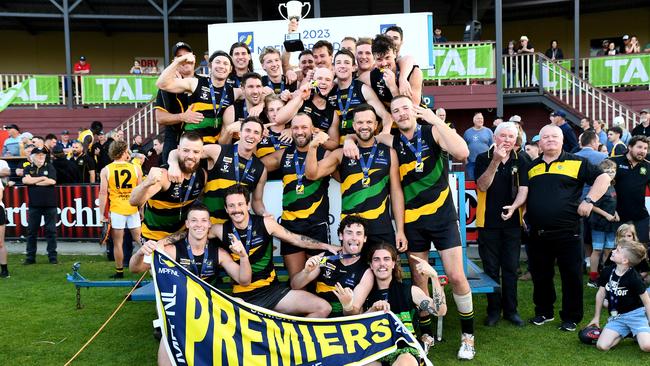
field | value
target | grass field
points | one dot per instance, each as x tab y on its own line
39	325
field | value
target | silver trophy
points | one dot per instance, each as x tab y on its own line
292	42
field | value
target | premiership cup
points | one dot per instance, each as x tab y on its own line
292	42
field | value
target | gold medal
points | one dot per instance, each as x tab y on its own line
365	182
300	189
419	167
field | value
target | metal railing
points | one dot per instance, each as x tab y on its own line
143	122
585	70
539	73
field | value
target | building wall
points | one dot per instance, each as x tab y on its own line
45	53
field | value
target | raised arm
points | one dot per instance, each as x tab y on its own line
302	241
448	140
315	169
373	100
242	272
168	80
150	186
308	274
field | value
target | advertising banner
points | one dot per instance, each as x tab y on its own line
39	89
416	27
619	70
461	62
203	326
97	89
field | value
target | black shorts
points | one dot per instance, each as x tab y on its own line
267	297
443	237
3	216
374	239
320	232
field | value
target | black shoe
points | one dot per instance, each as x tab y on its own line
4	274
117	275
491	320
515	319
28	262
54	261
567	326
540	320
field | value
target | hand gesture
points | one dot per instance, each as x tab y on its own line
256	111
350	149
423	267
154	177
313	263
148	247
508	214
285	136
291	76
345	295
500	153
187	58
285	95
381	305
319	138
389	78
237	247
426	114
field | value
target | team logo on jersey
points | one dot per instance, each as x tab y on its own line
642	171
247	38
352	162
287	161
225	167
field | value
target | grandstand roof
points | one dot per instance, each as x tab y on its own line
193	16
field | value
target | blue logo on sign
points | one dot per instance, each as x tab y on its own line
382	28
246	37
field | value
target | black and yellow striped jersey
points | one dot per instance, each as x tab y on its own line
332	272
260	253
165	211
370	200
223	175
303	207
321	118
344	101
201	101
427	196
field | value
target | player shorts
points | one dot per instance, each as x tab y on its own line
320	232
3	216
121	222
443	237
634	322
266	297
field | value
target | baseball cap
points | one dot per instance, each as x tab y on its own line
58	149
626	37
39	151
535	138
523	38
26	135
82	58
13	125
515	118
65	132
618	120
645	111
559	113
180	45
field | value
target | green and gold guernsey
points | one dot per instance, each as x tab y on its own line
165	212
304	202
378	85
334	271
365	187
224	174
259	246
344	101
399	296
427	197
211	102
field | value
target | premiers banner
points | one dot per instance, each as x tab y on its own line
417	29
619	70
77	215
454	61
203	326
97	89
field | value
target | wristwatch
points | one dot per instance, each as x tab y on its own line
589	200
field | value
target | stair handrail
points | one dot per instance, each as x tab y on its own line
142	122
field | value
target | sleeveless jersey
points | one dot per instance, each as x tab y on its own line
338	99
380	88
333	272
260	253
279	87
207	274
321	118
222	176
369	202
234	81
201	101
302	211
400	299
270	144
241	111
165	212
122	178
427	197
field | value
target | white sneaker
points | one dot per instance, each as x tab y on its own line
466	351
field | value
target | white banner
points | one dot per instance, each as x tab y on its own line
417	33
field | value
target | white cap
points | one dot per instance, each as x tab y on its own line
515	118
523	38
618	121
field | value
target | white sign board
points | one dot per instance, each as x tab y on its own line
417	29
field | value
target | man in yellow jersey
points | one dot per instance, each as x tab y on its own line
167	202
369	184
117	181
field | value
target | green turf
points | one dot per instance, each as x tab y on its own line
39	325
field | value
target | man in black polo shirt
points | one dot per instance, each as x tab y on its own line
642	128
632	172
84	163
555	182
502	188
40	178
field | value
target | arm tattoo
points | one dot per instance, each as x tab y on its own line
171	239
310	243
438	299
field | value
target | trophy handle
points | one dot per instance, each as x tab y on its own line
280	10
308	9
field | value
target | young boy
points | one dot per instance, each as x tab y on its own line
629	303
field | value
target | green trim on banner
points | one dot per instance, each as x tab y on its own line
464	62
118	89
619	70
39	89
8	95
